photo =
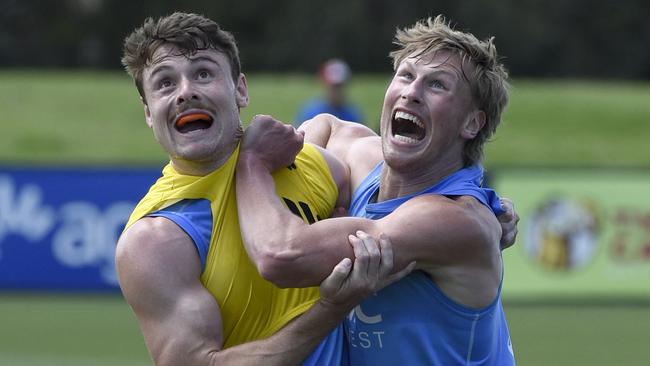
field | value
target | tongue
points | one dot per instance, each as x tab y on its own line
191	118
407	129
196	125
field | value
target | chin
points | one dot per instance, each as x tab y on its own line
197	153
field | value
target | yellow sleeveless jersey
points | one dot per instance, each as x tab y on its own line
251	307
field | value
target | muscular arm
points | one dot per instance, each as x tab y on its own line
356	150
356	147
441	234
159	271
455	241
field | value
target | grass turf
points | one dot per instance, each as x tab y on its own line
47	330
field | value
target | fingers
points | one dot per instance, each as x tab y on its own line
374	254
333	284
379	262
339	274
360	256
342	268
508	207
508	239
510	213
386	248
349	283
274	143
508	221
294	139
388	262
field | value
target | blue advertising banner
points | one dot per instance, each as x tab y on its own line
59	226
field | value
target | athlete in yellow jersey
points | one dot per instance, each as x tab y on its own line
251	307
191	306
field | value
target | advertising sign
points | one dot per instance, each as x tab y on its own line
583	233
58	227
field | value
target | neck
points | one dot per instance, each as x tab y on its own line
396	183
200	167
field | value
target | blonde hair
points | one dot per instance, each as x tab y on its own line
488	83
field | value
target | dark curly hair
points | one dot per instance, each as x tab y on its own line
185	31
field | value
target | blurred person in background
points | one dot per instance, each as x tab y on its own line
334	76
420	184
181	263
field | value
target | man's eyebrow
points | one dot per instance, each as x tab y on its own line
406	63
203	58
434	69
444	73
444	69
158	69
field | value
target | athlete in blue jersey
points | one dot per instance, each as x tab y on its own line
443	103
440	330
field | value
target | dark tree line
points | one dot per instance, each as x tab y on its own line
573	38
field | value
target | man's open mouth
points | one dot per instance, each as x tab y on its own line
407	127
192	122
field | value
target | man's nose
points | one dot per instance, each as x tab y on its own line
413	91
186	92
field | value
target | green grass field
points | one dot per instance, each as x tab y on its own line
49	330
87	118
90	118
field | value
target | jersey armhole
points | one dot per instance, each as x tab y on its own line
194	216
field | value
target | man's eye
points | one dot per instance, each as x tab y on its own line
437	84
204	75
165	83
406	75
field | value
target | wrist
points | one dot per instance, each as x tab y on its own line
333	308
250	160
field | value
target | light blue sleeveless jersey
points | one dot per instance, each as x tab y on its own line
412	322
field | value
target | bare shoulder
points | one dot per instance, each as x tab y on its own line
355	145
150	234
147	250
474	209
466	205
326	129
362	155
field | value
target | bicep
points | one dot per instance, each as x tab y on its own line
341	175
317	130
438	232
356	146
159	271
327	131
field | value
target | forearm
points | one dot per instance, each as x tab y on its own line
344	288
193	345
290	345
298	254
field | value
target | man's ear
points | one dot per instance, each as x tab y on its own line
474	123
241	91
147	113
